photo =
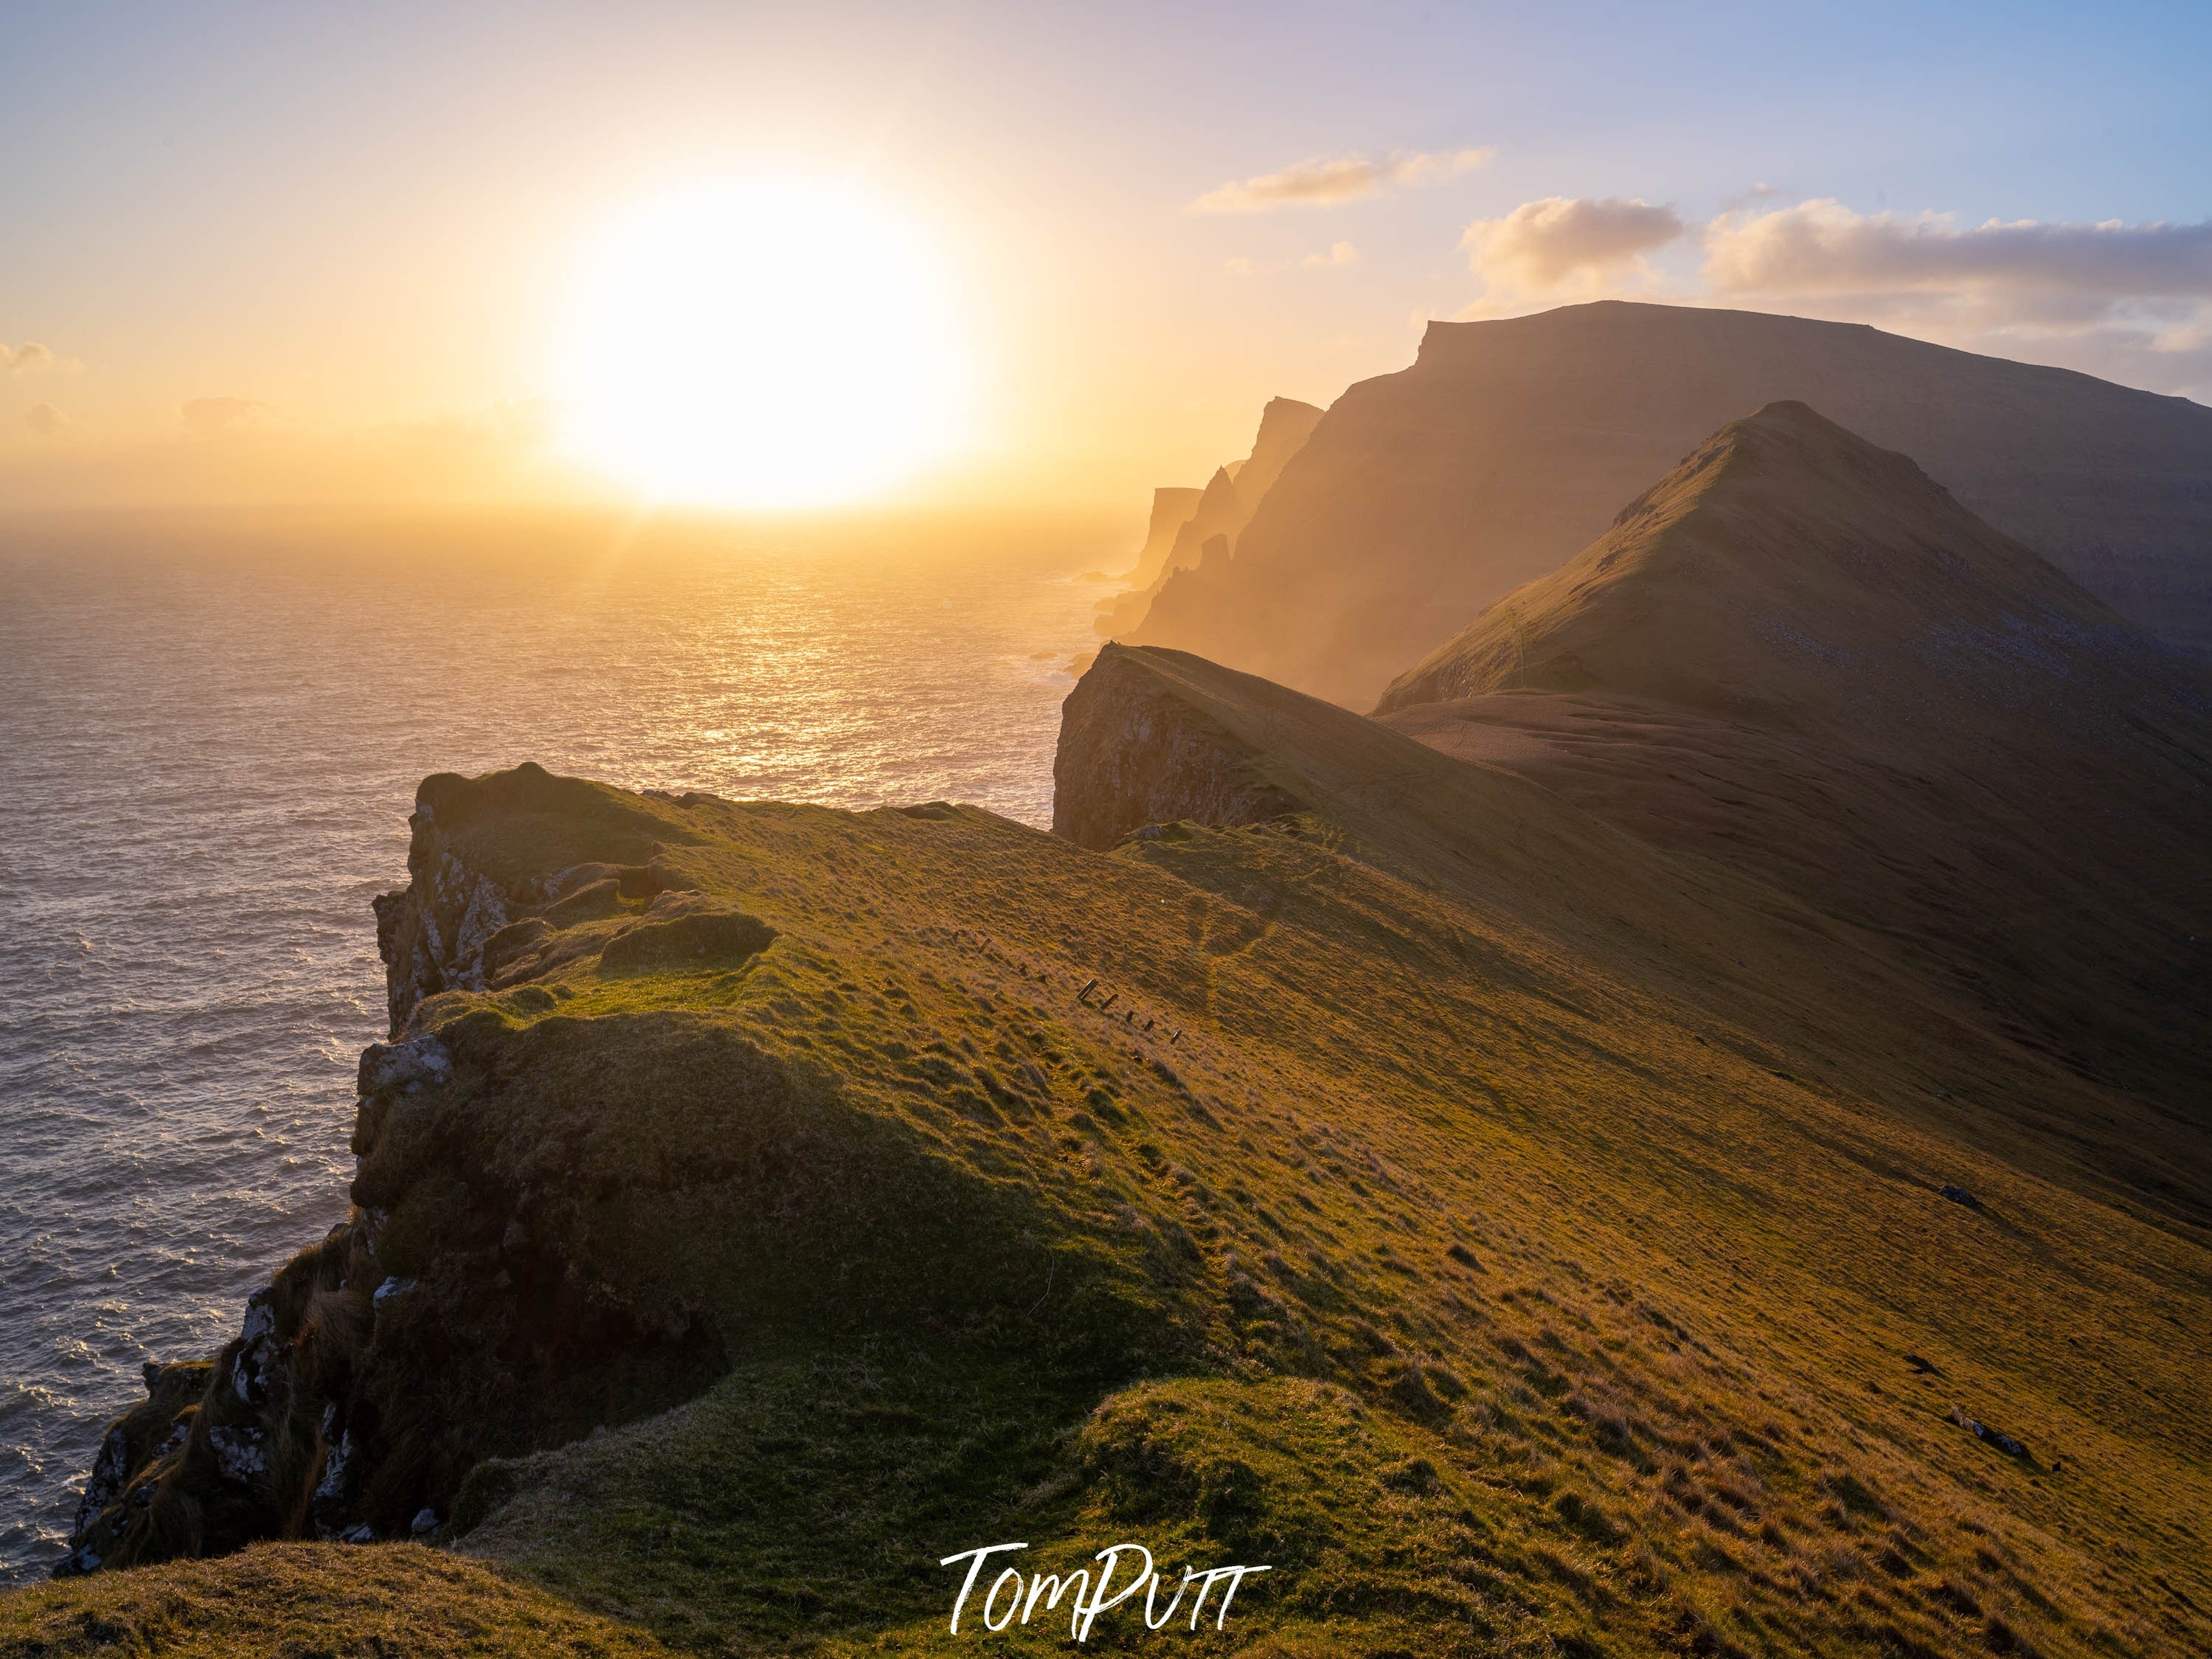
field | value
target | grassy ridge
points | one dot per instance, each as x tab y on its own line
1494	1265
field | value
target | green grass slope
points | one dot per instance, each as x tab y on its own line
1519	1239
1798	657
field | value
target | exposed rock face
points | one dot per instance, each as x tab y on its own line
354	1397
1173	507
344	1406
1219	513
1285	426
432	933
1424	496
1130	755
456	927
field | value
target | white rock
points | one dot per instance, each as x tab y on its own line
238	1453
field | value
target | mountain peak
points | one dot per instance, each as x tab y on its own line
1510	444
1786	567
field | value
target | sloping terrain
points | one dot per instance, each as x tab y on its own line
1517	1237
1799	655
1424	495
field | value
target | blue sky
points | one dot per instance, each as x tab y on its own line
354	218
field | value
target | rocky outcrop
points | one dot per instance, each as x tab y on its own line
1131	755
457	926
450	1317
559	1223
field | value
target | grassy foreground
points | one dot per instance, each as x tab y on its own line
1521	1241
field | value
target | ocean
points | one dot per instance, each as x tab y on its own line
208	753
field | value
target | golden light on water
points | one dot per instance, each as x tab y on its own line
763	344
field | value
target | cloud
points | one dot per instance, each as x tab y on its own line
1543	245
1324	181
45	419
209	418
28	355
1338	254
2128	301
2021	271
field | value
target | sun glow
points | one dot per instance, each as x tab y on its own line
763	345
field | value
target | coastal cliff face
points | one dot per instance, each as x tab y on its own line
514	1272
1186	523
1131	756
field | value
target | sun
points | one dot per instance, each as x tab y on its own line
763	344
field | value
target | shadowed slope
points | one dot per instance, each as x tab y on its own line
1424	495
1798	654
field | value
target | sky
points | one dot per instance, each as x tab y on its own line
322	253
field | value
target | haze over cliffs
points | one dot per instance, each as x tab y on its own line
1221	510
1424	495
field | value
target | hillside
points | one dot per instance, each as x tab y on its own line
1517	1236
1424	495
1798	654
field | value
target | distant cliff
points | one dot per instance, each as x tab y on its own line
1220	511
1424	495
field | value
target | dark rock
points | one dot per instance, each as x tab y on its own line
1131	756
1961	1196
423	1061
1982	1432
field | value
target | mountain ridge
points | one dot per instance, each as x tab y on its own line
1425	493
1921	725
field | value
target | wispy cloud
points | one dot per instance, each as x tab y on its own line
45	419
28	355
1324	181
209	418
1542	247
1336	256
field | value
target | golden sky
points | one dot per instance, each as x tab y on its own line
1019	254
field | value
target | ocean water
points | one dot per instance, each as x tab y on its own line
207	758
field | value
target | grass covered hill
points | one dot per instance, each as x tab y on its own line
1518	1238
1798	655
1679	1138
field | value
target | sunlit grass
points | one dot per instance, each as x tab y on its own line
1501	1291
